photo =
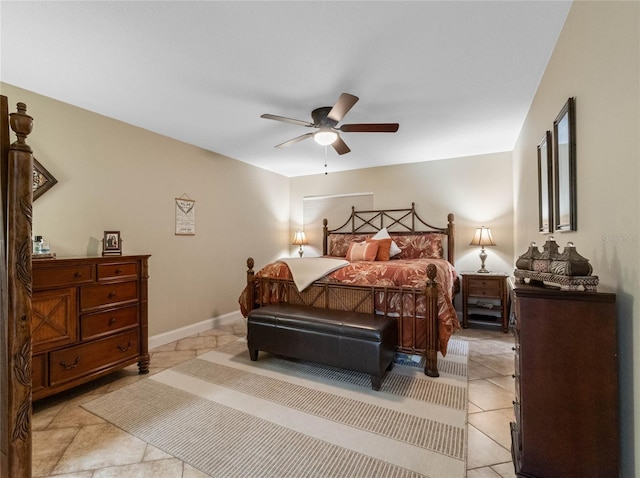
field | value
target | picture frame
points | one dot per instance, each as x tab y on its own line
185	216
545	185
112	243
43	180
564	164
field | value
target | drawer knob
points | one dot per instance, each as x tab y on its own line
124	348
118	271
72	365
77	275
111	295
112	320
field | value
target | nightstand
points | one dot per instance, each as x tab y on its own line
484	296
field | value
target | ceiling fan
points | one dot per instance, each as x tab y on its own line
325	121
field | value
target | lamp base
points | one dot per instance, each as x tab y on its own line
483	257
300	251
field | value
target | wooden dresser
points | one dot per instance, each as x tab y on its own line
566	372
89	318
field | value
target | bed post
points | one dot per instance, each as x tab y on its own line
16	168
325	236
431	351
451	229
250	289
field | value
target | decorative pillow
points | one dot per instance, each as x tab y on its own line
362	251
384	234
427	246
384	246
339	243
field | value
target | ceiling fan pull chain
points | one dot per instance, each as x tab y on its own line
325	159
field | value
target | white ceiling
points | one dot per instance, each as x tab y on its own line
459	77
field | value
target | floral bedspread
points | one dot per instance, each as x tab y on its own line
395	273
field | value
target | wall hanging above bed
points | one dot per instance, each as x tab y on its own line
43	180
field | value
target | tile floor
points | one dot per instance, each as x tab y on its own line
69	442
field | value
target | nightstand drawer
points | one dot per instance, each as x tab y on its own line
484	288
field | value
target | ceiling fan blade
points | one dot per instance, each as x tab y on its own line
370	128
342	106
340	146
294	140
286	120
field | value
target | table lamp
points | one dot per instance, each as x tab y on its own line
482	237
299	239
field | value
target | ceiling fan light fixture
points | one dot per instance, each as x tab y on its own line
325	137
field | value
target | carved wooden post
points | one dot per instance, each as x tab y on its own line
325	235
451	229
143	363
19	173
431	352
251	299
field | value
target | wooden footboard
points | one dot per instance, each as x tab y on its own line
417	334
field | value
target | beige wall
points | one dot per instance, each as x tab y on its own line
477	189
596	60
113	176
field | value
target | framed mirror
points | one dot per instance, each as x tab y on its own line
564	163
545	185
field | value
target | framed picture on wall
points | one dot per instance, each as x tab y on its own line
185	216
564	164
43	180
545	184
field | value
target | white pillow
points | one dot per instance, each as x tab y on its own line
384	234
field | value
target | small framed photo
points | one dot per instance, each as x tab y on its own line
111	244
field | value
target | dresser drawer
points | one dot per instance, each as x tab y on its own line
107	322
99	295
485	288
117	271
73	362
62	276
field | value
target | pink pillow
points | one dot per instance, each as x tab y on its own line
362	251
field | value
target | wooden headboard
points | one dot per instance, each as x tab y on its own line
397	222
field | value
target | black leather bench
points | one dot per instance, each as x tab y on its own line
351	340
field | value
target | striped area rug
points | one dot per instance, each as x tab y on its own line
230	417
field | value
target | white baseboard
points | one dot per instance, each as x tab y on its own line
193	329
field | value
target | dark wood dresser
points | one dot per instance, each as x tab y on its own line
89	318
566	372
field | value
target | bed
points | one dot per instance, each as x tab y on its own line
415	286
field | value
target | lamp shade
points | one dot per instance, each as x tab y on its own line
299	239
482	237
